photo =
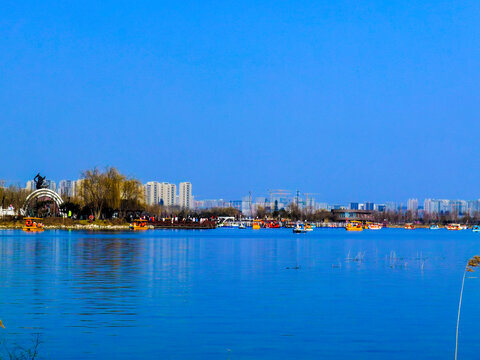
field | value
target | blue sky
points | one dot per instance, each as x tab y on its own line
372	100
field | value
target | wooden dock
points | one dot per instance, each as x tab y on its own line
184	224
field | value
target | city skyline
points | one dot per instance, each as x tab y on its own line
165	194
328	197
316	197
247	97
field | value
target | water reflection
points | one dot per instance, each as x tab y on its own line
271	294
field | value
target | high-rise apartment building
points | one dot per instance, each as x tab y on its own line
473	207
353	206
67	188
30	185
391	206
459	207
48	184
436	206
185	195
412	205
369	206
168	193
157	193
247	206
51	185
151	192
77	188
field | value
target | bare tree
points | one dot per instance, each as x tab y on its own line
94	191
131	196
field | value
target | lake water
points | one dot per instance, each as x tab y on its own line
240	294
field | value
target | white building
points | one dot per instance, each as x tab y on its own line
412	205
185	195
168	194
67	188
30	185
436	206
49	184
473	206
77	188
152	192
211	203
247	206
391	206
160	193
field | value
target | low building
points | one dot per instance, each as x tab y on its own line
340	215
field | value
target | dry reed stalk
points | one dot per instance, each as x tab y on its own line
473	263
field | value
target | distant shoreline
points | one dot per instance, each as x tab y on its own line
126	226
68	224
72	227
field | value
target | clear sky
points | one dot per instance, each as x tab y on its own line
354	100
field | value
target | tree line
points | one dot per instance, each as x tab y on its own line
107	194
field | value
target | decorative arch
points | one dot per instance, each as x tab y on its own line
41	193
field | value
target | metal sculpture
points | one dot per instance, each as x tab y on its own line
39	182
39	194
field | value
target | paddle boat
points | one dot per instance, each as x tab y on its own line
434	227
409	227
32	225
272	224
454	227
299	229
138	224
308	227
374	226
354	226
476	228
257	224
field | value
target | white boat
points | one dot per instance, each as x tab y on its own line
374	227
454	227
299	228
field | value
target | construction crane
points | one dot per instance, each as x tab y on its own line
250	203
278	192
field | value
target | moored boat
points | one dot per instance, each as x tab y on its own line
374	226
434	227
257	224
32	225
272	224
454	227
476	228
299	228
354	226
138	224
409	227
